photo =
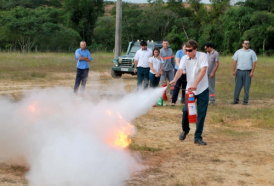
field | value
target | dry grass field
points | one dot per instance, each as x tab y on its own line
240	148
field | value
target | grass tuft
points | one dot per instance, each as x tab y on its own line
136	147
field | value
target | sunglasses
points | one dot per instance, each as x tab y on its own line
246	43
189	50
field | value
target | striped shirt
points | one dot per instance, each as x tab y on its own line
168	58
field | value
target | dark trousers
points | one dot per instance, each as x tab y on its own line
81	77
154	81
181	83
202	104
143	77
242	79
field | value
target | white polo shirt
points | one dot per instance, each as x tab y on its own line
193	68
142	56
156	63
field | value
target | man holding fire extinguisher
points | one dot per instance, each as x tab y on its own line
195	63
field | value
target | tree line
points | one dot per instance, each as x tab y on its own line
48	25
60	25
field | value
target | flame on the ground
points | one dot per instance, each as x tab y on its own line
122	134
33	111
33	107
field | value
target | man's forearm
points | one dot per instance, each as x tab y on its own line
135	64
82	58
216	67
253	67
234	65
177	61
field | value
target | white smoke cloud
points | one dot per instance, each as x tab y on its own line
67	140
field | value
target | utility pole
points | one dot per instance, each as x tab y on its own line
118	29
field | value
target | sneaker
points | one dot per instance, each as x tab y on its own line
183	136
234	102
200	142
244	103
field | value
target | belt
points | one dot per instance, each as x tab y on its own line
244	70
143	67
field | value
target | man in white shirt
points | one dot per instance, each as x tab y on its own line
196	64
141	66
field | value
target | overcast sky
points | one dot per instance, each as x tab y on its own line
145	1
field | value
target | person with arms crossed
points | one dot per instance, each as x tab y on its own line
245	61
196	65
213	64
181	82
82	57
168	58
141	66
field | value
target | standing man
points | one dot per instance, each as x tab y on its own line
82	57
196	65
213	64
245	61
181	82
167	55
141	66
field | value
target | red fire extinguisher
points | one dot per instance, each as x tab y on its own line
191	108
164	95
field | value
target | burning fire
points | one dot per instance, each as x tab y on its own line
122	134
32	108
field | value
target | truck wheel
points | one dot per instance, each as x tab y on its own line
115	74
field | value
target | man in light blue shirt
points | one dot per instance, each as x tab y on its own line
245	61
82	56
181	82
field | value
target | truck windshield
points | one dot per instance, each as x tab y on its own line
135	48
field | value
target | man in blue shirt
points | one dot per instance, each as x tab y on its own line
83	57
181	82
243	69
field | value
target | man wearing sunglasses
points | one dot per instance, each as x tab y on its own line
196	65
213	64
243	69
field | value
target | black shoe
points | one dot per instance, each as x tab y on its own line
183	135
244	103
234	102
200	142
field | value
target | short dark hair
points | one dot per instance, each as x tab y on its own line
208	45
143	43
183	44
192	43
165	40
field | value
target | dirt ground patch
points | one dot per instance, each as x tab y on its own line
236	154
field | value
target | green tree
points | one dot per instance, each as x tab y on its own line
10	4
261	5
104	32
82	15
235	22
27	28
262	31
